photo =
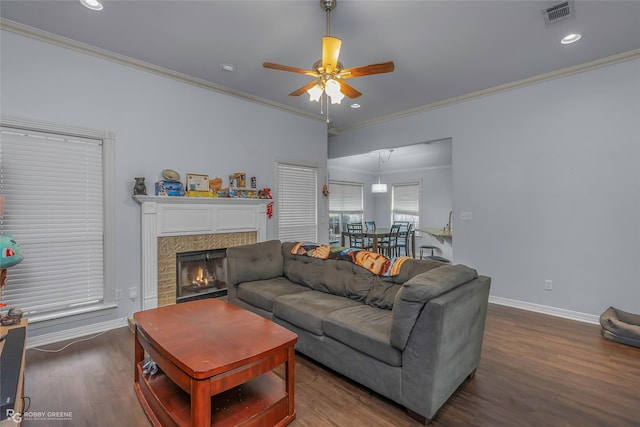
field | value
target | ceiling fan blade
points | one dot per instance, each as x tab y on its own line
348	90
367	70
303	89
330	52
288	68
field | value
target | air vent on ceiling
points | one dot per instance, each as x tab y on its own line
558	12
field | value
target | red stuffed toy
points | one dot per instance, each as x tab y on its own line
266	194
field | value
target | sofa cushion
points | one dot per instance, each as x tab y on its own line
412	267
418	291
262	293
258	261
426	286
304	269
364	328
306	310
382	294
384	290
338	277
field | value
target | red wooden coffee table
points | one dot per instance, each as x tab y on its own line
215	365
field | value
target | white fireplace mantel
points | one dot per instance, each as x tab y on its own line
179	216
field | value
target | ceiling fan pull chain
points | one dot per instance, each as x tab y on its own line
327	101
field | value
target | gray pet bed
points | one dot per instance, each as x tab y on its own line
620	326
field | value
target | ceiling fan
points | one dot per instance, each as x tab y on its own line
328	72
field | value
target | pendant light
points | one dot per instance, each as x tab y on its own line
380	187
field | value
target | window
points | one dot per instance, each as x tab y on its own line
297	203
405	203
345	206
57	209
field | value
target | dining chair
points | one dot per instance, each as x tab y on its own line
404	239
402	223
357	239
388	245
370	225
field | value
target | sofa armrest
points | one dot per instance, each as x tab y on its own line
258	261
418	291
445	346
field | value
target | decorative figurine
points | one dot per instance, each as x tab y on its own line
139	188
11	251
13	317
240	179
11	255
215	184
253	182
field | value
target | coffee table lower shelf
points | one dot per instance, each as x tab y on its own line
258	402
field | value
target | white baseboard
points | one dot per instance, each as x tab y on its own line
75	332
544	309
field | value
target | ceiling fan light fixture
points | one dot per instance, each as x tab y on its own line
332	87
328	72
315	93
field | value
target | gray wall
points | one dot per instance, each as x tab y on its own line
550	174
159	123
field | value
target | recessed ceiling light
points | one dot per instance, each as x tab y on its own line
571	38
355	105
227	67
92	4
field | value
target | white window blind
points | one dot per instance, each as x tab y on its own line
297	203
53	185
345	197
406	198
405	203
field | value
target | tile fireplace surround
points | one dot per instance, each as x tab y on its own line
181	224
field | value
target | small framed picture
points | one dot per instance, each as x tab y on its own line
197	182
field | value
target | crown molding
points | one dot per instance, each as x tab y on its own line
563	72
67	43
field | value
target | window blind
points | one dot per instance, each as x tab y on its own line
53	185
406	198
345	196
297	203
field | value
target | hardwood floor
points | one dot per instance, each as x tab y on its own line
536	370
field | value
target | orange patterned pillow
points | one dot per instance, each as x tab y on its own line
372	261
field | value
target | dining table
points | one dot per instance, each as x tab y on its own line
377	235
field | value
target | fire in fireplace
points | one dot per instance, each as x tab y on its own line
200	274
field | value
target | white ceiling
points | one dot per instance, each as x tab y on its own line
403	159
441	49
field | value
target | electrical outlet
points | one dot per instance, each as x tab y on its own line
133	293
118	294
466	216
548	285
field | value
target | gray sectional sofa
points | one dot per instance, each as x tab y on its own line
413	338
